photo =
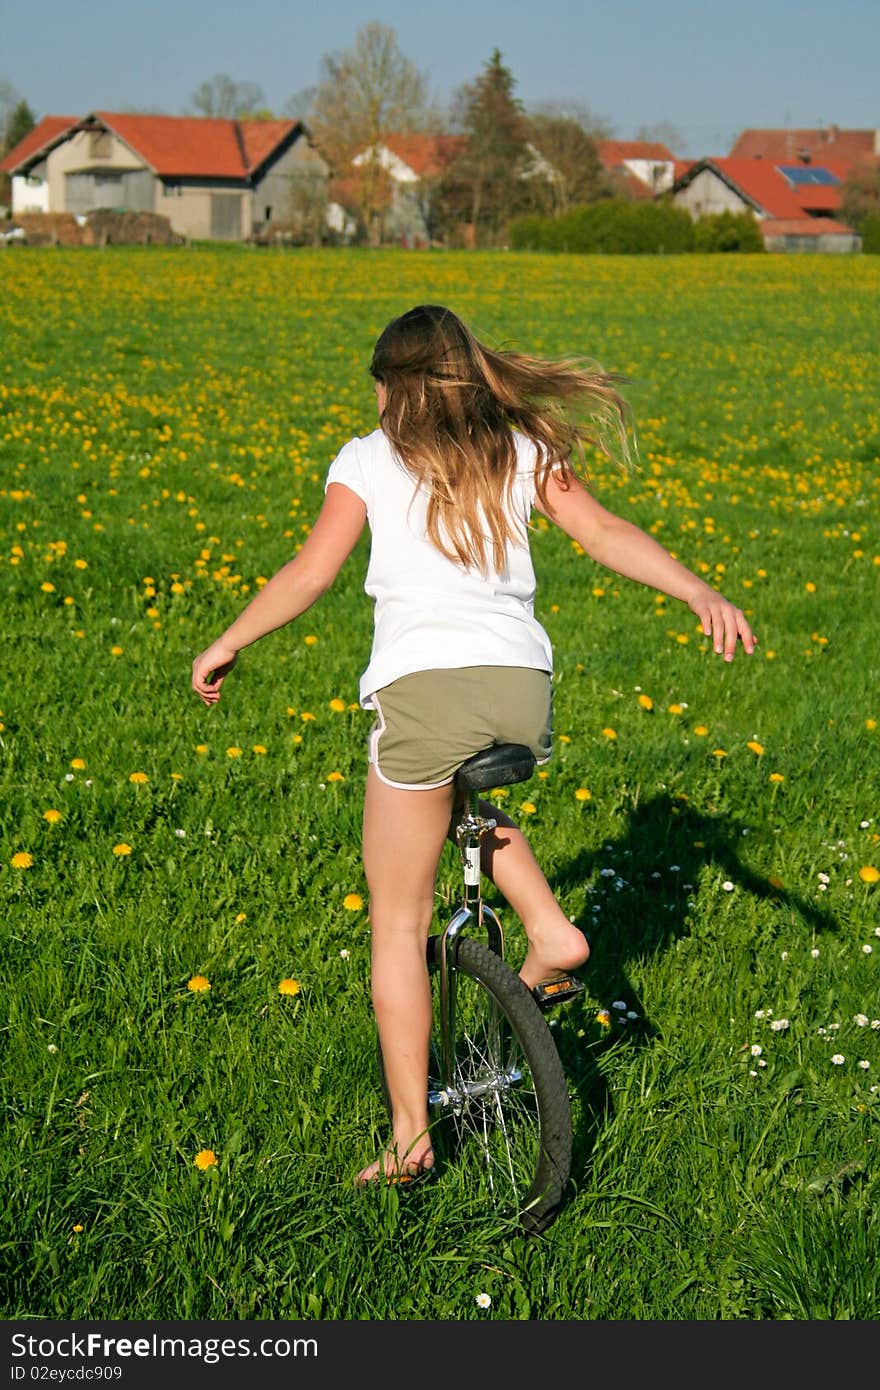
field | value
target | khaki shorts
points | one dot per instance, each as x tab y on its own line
429	723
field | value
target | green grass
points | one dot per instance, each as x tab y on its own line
167	418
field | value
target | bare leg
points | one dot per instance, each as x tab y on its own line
404	833
555	944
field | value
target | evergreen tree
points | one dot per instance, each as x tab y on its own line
20	123
485	183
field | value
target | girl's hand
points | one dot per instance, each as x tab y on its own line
723	622
211	669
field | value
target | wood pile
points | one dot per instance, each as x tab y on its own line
103	227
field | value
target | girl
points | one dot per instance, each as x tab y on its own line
469	442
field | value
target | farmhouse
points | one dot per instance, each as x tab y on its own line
847	151
217	179
411	165
794	203
645	167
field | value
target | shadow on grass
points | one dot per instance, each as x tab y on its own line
642	882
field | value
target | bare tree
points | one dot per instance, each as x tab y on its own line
599	127
225	98
365	94
662	133
569	172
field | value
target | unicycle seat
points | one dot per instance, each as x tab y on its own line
498	766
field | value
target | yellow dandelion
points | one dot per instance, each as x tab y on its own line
810	587
583	794
22	860
676	709
871	724
719	752
335	777
81	564
701	730
201	747
756	747
296	738
177	588
241	917
777	777
259	748
306	717
337	705
869	874
48	588
564	738
310	640
77	1229
138	777
609	733
78	763
233	752
603	1018
121	850
205	1158
116	651
288	986
528	808
177	776
198	984
353	902
499	793
646	702
52	816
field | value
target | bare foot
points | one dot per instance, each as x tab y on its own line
418	1159
554	954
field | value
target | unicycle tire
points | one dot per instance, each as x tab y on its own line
505	1119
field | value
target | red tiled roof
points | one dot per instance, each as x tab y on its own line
846	149
261	138
426	155
614	152
198	146
44	133
803	226
173	146
819	197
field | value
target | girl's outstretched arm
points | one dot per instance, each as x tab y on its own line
630	551
293	589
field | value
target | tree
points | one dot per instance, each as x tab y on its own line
662	133
485	184
21	123
570	172
860	196
222	97
365	94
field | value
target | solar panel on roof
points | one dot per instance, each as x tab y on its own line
807	173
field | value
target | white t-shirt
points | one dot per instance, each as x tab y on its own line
430	612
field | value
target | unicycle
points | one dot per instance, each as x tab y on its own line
497	1095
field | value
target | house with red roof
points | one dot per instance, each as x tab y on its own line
213	179
850	152
644	167
411	164
795	204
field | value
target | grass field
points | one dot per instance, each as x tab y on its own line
166	421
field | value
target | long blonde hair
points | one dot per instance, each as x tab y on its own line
451	406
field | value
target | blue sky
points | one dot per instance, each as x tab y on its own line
708	69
